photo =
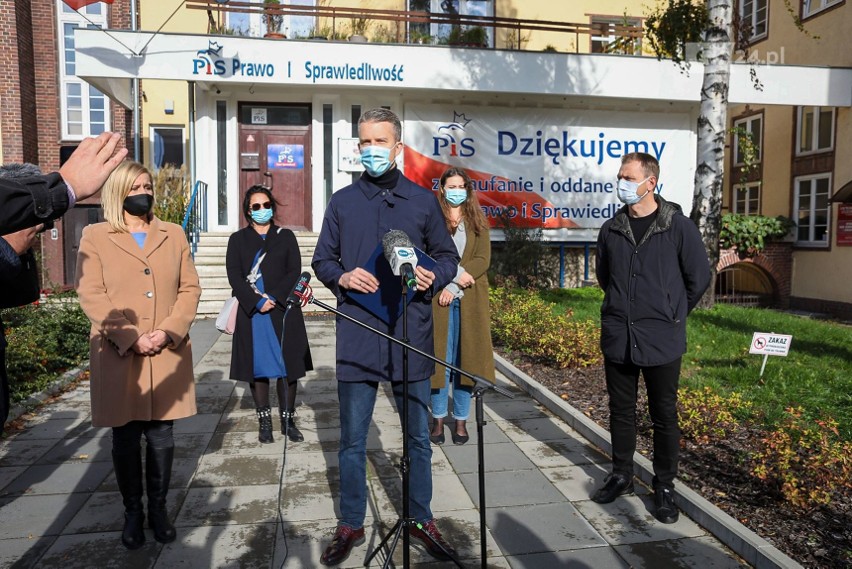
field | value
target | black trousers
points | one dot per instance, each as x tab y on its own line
661	382
127	438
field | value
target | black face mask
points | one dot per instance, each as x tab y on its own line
139	205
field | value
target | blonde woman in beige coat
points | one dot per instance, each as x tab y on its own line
138	286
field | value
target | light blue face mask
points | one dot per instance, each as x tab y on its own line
456	196
262	216
376	160
627	191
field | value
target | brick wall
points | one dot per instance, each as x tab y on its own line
776	260
46	108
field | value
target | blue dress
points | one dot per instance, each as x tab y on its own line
265	342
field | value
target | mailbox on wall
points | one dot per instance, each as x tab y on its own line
249	161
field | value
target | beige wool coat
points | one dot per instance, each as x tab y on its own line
127	291
477	353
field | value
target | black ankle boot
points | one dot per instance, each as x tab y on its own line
264	417
128	475
158	474
288	426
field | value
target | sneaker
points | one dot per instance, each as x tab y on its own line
345	538
428	534
665	509
615	485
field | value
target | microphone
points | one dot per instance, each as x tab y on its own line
399	251
297	294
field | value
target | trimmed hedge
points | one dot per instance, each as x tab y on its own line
44	340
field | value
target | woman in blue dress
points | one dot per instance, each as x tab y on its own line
258	355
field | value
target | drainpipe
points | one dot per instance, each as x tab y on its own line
137	143
191	103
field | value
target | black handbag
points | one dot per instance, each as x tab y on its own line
24	287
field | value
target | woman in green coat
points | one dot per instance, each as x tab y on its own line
460	311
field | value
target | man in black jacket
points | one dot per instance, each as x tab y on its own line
653	268
28	200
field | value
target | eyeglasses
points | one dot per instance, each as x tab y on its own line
454	188
264	205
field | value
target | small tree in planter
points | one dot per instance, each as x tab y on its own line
359	27
274	20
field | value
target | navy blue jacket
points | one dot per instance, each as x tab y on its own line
356	219
649	287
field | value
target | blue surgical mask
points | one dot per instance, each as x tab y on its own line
456	196
627	191
262	216
376	160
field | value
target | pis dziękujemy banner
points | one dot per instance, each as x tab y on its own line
545	168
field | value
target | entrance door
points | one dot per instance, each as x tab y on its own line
278	156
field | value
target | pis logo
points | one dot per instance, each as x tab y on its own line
450	138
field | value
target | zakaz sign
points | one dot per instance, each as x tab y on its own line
211	62
547	169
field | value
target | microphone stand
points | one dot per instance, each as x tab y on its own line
481	386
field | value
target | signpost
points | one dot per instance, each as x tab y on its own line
769	344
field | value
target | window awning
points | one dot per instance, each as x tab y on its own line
844	194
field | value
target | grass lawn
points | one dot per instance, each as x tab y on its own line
816	375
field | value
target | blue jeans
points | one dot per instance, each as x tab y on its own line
461	393
357	400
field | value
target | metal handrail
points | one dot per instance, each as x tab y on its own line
195	220
407	17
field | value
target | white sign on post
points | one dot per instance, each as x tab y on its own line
770	344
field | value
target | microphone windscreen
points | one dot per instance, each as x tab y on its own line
394	238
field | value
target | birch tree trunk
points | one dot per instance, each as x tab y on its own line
712	122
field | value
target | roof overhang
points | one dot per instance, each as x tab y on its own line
110	59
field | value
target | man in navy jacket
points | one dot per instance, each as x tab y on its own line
355	222
653	268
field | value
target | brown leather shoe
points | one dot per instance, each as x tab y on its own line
345	538
431	545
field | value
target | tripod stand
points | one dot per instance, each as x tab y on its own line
481	385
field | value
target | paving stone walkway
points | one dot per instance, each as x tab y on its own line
60	507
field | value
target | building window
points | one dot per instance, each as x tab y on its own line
254	24
167	148
744	129
608	38
815	129
747	199
811	7
422	32
85	110
812	210
753	18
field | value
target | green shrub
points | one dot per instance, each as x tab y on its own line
522	321
750	233
43	341
805	460
523	259
706	416
171	193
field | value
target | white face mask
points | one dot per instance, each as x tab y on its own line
627	191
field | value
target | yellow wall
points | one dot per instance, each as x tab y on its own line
152	16
573	12
817	274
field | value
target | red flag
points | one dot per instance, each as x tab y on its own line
77	4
